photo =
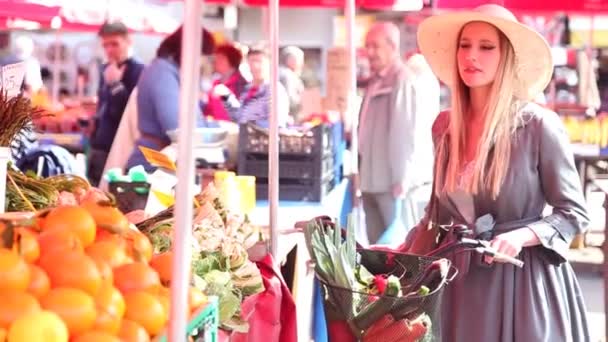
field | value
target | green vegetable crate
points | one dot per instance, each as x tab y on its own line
203	325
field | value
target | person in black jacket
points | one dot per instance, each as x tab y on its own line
119	76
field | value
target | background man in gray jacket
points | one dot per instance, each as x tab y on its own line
395	145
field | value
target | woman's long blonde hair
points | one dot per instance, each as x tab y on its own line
491	163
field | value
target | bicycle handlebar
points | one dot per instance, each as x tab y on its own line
480	246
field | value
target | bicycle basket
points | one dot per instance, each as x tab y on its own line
406	318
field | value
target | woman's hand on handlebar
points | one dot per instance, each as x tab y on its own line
511	243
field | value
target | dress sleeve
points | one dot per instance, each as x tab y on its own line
562	190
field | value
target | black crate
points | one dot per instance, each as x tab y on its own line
317	141
290	167
305	190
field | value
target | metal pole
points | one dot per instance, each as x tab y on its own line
56	84
350	16
273	139
182	251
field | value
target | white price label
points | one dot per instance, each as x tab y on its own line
12	78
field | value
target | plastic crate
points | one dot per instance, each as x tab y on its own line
130	196
319	140
294	167
203	325
303	190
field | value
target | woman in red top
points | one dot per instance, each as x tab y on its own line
227	61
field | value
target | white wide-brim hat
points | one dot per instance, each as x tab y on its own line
438	40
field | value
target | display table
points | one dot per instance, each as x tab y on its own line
291	242
602	184
73	142
588	166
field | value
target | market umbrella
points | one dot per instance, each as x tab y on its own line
78	15
570	6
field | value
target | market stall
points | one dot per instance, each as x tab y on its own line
602	185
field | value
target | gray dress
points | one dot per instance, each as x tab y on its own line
542	302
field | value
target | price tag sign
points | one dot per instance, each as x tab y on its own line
12	77
158	159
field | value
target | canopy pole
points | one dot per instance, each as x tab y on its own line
352	114
273	139
182	250
56	24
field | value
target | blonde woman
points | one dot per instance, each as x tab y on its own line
500	158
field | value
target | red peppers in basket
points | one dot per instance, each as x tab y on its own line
380	282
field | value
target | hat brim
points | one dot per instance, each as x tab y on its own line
438	41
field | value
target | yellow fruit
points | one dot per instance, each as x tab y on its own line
39	326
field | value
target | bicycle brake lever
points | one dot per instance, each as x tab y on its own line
497	255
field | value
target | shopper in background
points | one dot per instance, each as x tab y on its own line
254	103
24	52
158	96
392	148
501	159
290	76
119	76
427	93
226	62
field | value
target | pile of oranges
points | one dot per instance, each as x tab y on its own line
81	274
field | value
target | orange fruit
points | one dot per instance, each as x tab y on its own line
39	282
58	241
135	277
27	244
73	219
71	269
162	264
14	305
196	298
75	307
147	310
96	336
3	334
113	251
110	309
139	246
102	235
107	217
132	332
14	272
38	326
166	303
105	271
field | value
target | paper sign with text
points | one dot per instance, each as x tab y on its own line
12	77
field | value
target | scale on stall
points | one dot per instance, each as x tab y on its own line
209	146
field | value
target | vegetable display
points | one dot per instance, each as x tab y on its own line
220	261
